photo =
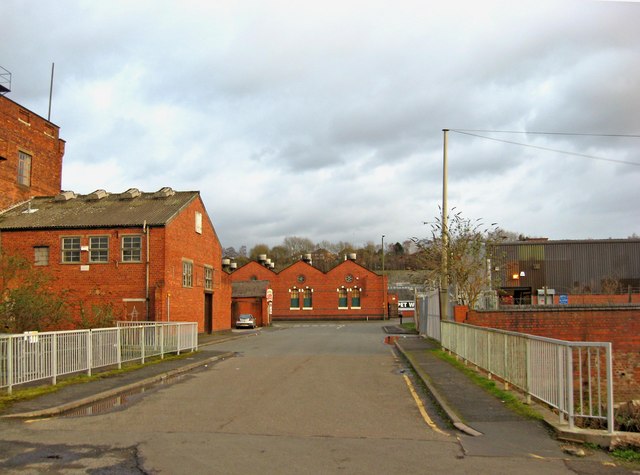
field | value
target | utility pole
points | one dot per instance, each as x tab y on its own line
444	278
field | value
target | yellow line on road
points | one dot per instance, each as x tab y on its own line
421	408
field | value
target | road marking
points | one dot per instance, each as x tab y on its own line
421	408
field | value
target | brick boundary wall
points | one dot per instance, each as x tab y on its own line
620	326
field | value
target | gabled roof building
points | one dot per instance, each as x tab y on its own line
145	256
349	291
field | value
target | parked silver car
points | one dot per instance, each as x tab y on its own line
246	320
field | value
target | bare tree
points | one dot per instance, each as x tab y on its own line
470	247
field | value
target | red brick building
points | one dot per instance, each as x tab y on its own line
30	155
148	256
349	291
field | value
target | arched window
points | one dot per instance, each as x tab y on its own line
355	298
307	298
342	298
295	299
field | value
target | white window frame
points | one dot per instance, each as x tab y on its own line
198	222
187	273
25	161
208	277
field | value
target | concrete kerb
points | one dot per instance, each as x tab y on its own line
455	419
53	411
550	419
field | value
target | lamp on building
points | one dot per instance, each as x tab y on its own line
522	274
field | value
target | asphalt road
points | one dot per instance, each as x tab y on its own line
319	398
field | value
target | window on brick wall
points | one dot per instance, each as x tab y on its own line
307	301
294	303
70	249
41	255
187	273
131	249
355	298
198	222
208	278
24	168
342	298
99	249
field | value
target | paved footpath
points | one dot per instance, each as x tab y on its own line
489	428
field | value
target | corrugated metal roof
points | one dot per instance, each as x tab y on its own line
97	210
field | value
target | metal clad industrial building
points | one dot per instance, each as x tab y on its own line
592	266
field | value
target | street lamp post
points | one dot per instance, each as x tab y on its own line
383	253
384	305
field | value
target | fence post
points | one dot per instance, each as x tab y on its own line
162	327
569	386
143	333
561	399
528	370
10	365
610	420
89	353
119	346
54	359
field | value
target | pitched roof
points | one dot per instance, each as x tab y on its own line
97	210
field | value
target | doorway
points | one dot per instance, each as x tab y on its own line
208	313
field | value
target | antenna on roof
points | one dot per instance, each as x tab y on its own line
5	81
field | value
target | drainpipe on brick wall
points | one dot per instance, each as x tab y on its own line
145	230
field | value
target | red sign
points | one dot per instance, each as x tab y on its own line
269	295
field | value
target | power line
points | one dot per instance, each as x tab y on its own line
548	149
547	133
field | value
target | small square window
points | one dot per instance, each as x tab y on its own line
99	249
70	250
131	249
41	255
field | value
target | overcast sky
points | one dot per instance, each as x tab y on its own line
323	119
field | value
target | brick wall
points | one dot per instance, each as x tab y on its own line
325	305
202	249
620	326
86	284
123	284
23	131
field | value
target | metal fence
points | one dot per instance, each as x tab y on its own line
573	377
34	356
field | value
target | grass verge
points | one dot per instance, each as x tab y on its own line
508	398
628	454
409	326
26	393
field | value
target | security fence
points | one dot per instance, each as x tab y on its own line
573	377
34	356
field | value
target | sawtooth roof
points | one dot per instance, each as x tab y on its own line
97	210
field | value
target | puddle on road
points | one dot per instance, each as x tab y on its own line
120	401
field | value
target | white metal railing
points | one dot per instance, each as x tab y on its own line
33	356
573	377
